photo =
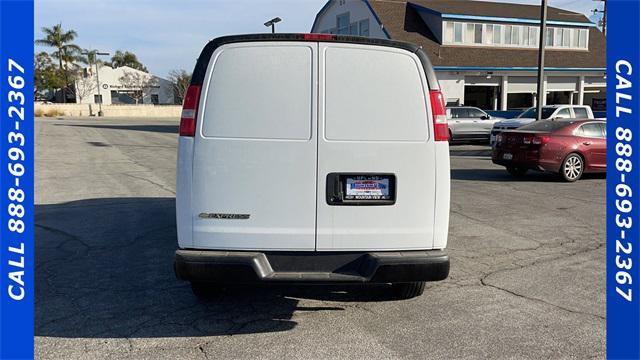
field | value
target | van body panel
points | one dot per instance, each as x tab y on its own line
374	117
184	180
255	150
442	196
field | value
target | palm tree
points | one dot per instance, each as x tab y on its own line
127	59
66	50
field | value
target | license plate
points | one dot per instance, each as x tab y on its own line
367	188
507	156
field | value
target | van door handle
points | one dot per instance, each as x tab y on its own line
587	143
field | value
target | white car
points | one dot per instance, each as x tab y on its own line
312	158
548	112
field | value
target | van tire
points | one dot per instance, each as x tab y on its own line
516	171
205	290
408	290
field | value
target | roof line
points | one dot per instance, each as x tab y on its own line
533	68
499	18
321	12
377	19
516	20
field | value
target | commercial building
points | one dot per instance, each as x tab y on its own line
122	85
485	53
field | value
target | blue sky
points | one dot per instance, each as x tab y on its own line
169	34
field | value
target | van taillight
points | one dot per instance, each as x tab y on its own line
439	111
190	111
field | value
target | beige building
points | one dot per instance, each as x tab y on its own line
122	85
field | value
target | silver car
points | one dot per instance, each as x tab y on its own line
470	123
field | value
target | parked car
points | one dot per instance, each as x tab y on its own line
286	174
569	147
548	112
469	123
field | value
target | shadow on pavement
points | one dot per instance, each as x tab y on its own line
501	175
169	129
104	269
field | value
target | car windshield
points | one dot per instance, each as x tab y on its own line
533	113
547	125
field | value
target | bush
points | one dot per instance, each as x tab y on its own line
52	113
38	112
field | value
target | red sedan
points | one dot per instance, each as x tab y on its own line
569	147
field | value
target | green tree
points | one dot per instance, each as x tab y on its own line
47	77
127	58
65	50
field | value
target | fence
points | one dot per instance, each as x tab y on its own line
78	110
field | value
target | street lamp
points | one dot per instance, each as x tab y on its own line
92	55
543	35
272	23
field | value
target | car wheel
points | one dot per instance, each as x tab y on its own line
205	290
516	170
408	290
572	167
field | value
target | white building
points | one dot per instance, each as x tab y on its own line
122	85
485	53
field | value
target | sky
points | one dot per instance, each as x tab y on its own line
169	34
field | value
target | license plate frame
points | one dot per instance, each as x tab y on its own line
361	189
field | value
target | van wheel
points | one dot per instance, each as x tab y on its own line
572	167
516	171
205	290
408	290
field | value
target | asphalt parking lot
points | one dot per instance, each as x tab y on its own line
527	277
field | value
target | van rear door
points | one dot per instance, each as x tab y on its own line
376	167
254	172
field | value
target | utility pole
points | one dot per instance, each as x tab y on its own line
603	21
93	58
543	36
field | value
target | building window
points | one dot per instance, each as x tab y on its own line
497	34
518	36
477	35
154	99
558	39
533	36
515	35
97	99
353	29
508	30
448	32
469	34
488	34
549	36
457	31
343	24
582	43
364	27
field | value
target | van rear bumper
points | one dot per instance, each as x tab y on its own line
311	267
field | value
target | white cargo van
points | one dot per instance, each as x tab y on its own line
312	158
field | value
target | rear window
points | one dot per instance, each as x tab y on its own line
533	113
545	125
261	92
581	113
373	95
